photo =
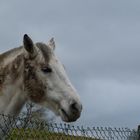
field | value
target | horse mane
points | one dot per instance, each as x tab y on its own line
6	55
16	51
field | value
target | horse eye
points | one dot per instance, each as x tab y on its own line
46	70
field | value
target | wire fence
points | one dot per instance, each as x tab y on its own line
16	128
27	128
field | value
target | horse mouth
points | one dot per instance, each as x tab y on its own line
66	117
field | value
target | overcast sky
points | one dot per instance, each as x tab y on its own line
99	43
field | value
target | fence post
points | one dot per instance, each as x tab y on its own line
138	131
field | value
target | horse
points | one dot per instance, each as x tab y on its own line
32	72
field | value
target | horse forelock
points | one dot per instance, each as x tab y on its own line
45	51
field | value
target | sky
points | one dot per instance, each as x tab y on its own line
99	43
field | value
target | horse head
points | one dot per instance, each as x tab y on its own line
46	82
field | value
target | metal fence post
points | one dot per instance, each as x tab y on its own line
138	132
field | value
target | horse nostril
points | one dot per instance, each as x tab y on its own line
74	107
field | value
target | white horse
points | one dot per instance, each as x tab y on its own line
33	72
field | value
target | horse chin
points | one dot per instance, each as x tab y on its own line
65	117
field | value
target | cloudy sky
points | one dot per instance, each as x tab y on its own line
99	43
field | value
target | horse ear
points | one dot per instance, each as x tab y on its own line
52	43
29	45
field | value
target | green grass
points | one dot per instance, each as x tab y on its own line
34	134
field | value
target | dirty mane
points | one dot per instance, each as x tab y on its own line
11	53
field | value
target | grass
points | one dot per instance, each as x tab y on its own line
34	134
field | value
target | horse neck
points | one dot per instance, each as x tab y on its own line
12	97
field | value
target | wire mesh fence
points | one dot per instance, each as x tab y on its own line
27	128
16	128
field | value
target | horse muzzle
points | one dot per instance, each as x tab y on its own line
70	112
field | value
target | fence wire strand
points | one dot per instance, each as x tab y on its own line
14	128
